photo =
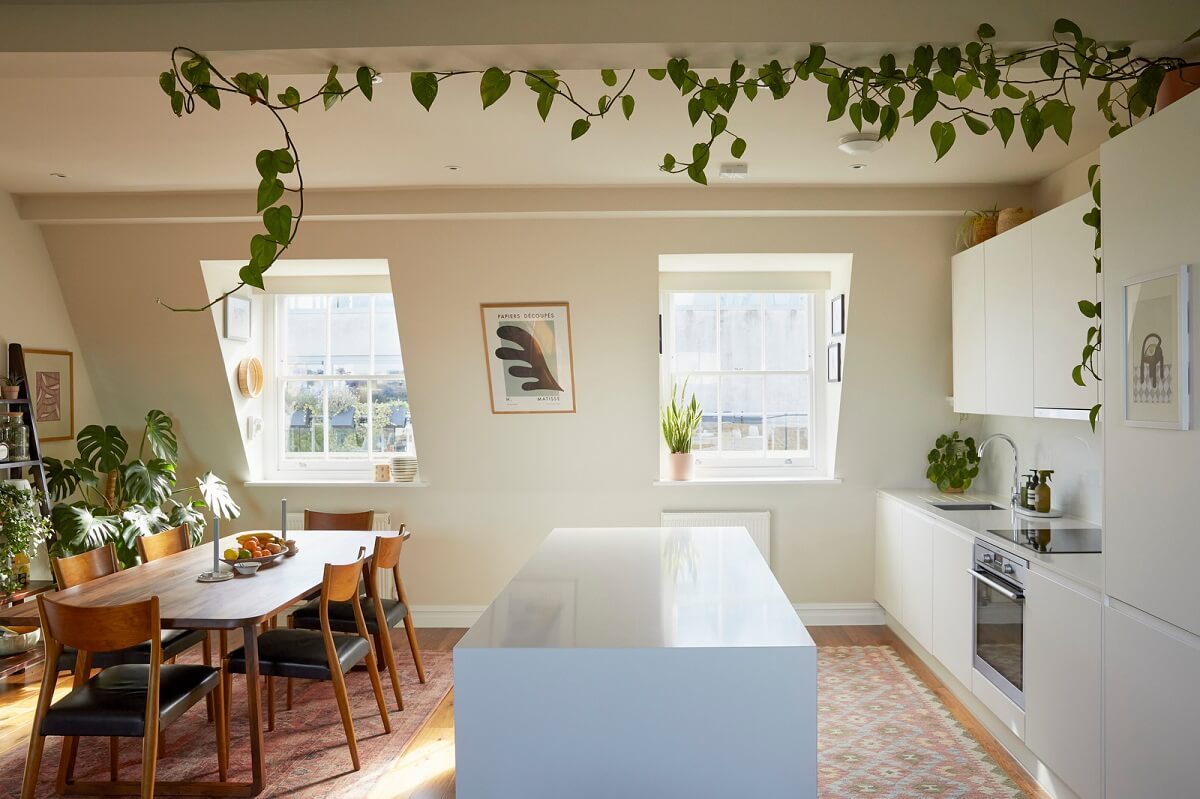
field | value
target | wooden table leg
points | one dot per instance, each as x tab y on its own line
257	745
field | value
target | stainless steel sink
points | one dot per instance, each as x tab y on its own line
965	506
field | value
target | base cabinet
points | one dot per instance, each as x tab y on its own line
916	583
953	592
1152	707
1064	683
887	555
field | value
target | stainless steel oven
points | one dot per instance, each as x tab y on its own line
999	619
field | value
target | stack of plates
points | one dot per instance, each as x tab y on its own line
404	468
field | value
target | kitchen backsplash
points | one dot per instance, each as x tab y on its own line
1068	447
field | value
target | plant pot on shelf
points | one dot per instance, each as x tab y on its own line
982	229
1176	84
1009	218
10	392
679	466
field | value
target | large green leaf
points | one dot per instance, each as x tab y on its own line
137	521
81	527
191	514
160	435
61	479
148	482
216	496
102	448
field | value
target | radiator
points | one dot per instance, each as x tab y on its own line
757	523
383	521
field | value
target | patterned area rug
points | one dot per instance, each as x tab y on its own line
884	734
307	754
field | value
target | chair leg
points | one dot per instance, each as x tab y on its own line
149	761
412	644
373	670
33	764
222	731
270	704
114	758
339	691
291	626
389	659
206	659
66	762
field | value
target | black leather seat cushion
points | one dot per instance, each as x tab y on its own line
174	642
300	653
114	701
341	615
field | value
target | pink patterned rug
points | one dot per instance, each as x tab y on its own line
882	733
307	756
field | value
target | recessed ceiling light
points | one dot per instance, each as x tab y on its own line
858	166
860	143
57	175
453	167
735	171
377	78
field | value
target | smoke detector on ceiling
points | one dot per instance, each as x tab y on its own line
735	171
860	143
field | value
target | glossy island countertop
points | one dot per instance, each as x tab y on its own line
1086	568
641	588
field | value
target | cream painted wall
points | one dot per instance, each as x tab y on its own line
499	483
1063	185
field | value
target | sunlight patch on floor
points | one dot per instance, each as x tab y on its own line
417	767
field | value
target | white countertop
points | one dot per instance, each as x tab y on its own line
641	587
1086	568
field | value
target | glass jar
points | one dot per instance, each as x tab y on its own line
15	433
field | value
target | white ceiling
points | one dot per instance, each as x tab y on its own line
118	134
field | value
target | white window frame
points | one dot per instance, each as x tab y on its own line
767	466
331	465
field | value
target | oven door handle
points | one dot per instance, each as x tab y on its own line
995	585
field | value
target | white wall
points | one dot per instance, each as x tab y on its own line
499	483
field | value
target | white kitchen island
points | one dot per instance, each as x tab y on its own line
638	662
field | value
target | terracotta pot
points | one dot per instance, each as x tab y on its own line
1177	84
679	466
9	392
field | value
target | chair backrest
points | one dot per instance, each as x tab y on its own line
168	542
101	628
318	520
87	566
340	584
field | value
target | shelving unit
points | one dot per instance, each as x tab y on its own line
34	464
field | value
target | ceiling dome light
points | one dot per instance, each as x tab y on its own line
377	78
858	166
860	143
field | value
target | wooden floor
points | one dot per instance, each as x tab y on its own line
426	769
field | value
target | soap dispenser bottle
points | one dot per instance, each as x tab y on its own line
1043	491
1029	491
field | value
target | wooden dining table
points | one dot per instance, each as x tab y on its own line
242	603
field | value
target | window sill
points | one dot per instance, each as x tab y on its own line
334	483
751	481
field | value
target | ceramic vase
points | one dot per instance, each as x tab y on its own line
679	465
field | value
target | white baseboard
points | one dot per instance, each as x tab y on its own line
836	614
817	614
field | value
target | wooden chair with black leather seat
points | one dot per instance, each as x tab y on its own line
134	700
320	655
319	520
341	616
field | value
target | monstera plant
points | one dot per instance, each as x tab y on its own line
119	500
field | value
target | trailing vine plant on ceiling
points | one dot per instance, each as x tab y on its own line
972	87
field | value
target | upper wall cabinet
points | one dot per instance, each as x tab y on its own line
1064	272
1008	322
967	293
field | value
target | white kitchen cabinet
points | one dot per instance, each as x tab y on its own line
1064	272
1008	322
887	555
953	597
1151	707
1064	682
967	313
916	576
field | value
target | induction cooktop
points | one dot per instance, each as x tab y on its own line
1059	540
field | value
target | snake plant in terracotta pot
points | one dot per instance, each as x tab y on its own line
680	420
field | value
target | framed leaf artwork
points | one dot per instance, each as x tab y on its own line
527	347
51	376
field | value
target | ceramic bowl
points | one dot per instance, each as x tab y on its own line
246	567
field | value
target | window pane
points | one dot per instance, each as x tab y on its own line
350	331
741	332
305	326
303	417
347	416
741	414
788	420
787	327
705	389
694	317
393	423
387	339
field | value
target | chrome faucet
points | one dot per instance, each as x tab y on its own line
1016	483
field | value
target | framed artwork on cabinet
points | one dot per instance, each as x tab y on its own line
1157	360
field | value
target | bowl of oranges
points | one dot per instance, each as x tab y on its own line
261	548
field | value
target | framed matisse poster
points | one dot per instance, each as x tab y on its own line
1157	360
51	376
527	347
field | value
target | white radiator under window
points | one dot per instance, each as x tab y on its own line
757	523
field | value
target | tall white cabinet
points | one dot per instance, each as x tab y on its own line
969	331
1008	321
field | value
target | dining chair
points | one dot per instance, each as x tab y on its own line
386	558
135	700
319	655
319	520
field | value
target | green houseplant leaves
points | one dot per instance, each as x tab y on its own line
953	463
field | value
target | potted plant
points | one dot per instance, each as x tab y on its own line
10	387
22	530
953	463
119	501
679	424
977	227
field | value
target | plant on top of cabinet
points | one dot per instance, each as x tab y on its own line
121	501
977	227
679	423
953	463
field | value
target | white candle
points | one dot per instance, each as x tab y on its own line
283	521
216	545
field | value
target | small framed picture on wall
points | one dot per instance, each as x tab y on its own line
834	363
237	318
1157	360
837	315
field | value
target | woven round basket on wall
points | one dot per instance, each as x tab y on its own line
1009	218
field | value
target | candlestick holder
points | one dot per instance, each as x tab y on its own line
216	575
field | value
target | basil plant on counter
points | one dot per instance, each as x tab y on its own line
119	501
953	463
